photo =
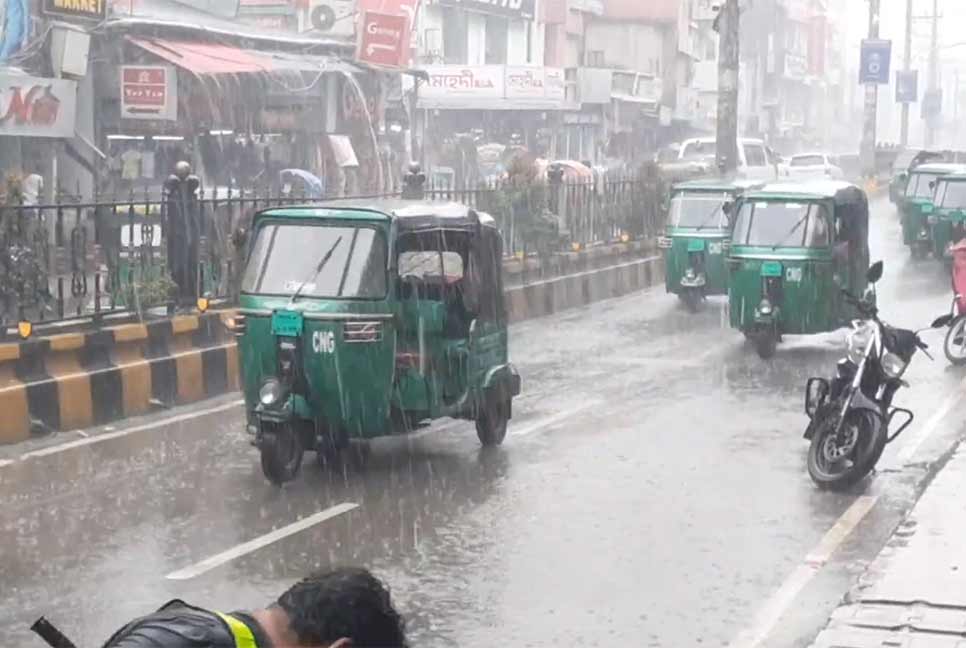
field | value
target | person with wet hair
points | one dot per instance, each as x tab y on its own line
341	608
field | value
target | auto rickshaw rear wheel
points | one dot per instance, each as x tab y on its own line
492	419
281	452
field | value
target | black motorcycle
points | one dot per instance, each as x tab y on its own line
851	415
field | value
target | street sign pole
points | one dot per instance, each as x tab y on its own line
907	66
871	102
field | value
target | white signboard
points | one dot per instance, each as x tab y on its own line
456	81
525	82
37	107
555	83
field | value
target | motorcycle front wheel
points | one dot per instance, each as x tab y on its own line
955	344
840	459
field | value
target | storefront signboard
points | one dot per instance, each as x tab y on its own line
463	82
37	107
149	92
82	9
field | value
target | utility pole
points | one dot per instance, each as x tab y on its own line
907	54
931	119
727	24
871	103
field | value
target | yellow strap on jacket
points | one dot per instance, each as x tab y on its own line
242	633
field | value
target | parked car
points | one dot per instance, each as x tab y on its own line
812	165
755	160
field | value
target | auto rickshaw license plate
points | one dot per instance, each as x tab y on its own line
696	245
771	269
287	323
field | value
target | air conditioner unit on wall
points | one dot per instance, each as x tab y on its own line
331	17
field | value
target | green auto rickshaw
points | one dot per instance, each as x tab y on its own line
793	249
916	204
365	319
697	238
947	220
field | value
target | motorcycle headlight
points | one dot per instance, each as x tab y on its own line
271	392
893	365
857	342
765	307
689	273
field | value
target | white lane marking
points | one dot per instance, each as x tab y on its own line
238	551
550	420
6	462
914	441
91	440
778	603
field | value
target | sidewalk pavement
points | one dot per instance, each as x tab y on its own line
914	593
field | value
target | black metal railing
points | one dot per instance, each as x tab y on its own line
109	257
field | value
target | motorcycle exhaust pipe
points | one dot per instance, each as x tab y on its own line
50	634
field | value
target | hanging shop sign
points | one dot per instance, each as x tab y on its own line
520	9
83	9
149	92
37	107
384	40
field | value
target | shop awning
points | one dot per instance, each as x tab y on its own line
206	59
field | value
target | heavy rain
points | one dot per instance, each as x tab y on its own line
469	323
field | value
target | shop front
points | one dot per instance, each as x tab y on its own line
467	108
240	117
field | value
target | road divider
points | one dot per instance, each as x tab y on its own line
78	380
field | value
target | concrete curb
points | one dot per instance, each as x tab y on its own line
78	380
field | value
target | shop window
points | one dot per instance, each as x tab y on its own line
496	40
455	36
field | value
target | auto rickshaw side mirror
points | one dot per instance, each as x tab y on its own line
875	272
943	322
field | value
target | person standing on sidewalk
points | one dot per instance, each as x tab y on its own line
342	608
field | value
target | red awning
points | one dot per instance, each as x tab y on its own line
206	59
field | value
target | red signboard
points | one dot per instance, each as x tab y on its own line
148	92
391	7
384	40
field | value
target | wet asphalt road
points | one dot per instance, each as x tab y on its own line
652	492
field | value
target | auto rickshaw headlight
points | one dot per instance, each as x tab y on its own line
765	308
271	393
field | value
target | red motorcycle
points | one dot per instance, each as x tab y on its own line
955	345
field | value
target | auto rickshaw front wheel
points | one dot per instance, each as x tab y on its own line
281	449
766	343
492	419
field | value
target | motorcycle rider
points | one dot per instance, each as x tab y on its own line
342	608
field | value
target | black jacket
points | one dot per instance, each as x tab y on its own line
179	625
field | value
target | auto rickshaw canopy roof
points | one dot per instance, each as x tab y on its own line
718	184
841	192
945	168
409	215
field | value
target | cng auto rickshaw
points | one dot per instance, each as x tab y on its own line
947	217
793	249
916	204
697	237
364	319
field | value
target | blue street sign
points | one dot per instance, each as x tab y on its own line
874	62
907	86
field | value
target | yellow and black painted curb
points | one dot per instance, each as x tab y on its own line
78	380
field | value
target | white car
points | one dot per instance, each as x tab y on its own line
813	165
755	159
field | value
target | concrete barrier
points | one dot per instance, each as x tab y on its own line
78	380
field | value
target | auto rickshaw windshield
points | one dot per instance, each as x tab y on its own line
782	224
287	254
951	195
918	185
699	209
